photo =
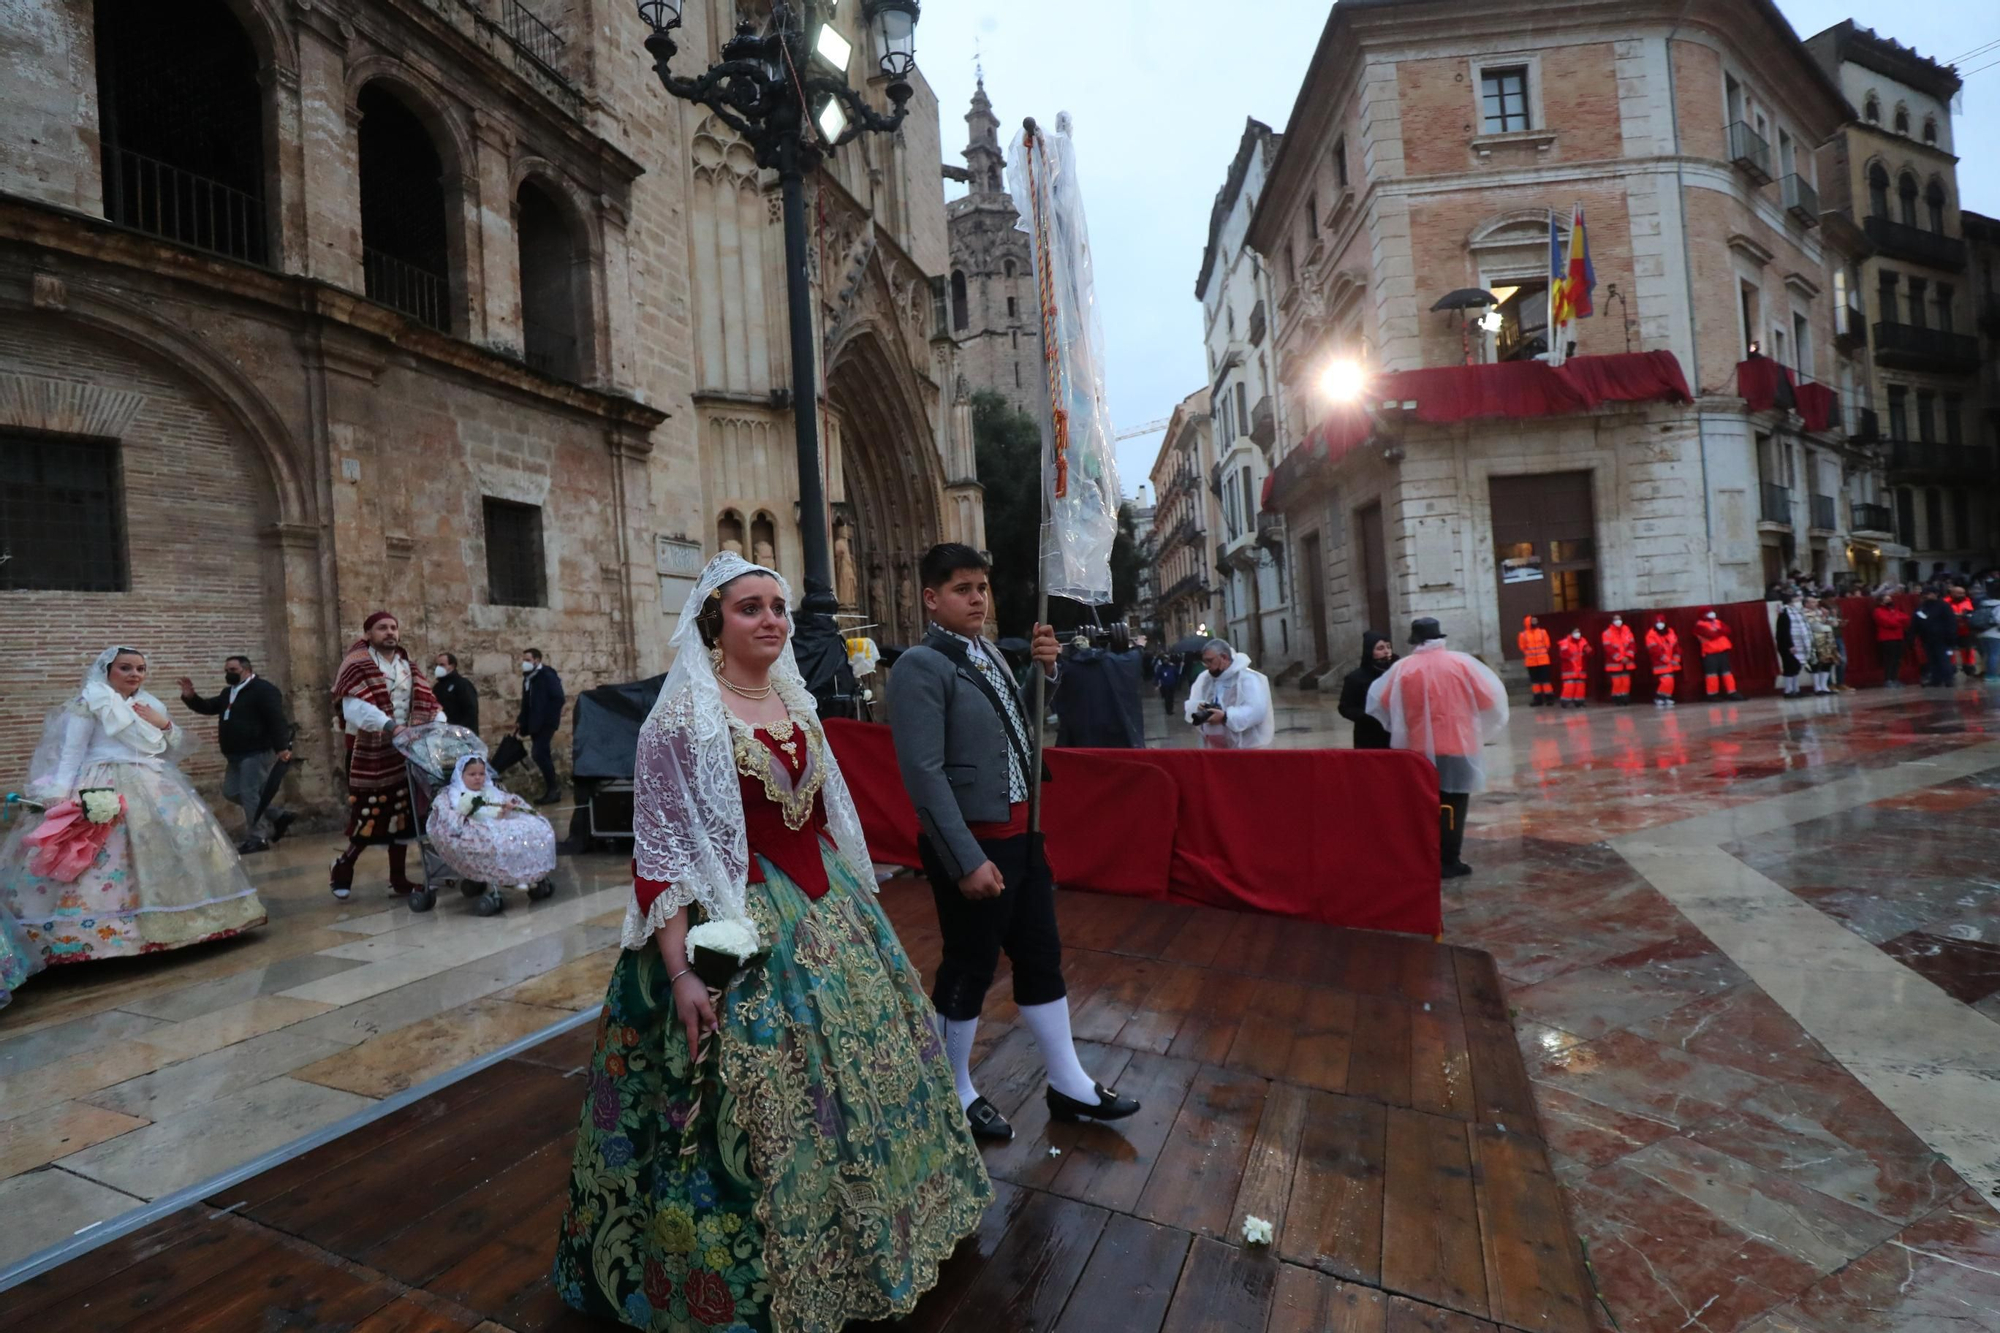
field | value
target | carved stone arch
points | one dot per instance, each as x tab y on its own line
719	153
429	102
271	35
572	303
1513	227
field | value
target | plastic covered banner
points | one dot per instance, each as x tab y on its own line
1079	472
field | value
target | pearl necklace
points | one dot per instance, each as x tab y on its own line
733	687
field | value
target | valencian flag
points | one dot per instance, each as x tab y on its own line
1572	279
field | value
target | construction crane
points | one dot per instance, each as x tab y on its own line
1150	428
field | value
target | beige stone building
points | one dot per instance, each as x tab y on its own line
1426	151
1892	175
1185	521
994	317
444	307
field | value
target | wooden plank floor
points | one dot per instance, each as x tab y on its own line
1361	1091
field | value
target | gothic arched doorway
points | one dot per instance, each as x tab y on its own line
891	482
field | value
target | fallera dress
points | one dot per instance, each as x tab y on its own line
817	1169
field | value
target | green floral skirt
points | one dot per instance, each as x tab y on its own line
815	1171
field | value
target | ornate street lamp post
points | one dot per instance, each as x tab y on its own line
785	91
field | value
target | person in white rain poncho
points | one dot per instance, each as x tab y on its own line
1229	701
1445	706
491	836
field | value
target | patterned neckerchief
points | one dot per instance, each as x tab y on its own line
982	658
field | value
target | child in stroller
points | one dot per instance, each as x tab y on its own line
491	837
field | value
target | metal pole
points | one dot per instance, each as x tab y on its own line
1045	419
805	392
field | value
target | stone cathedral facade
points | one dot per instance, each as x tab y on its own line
994	319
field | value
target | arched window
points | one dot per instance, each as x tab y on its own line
1934	206
764	540
553	275
1872	109
181	123
961	317
1906	193
1007	268
729	532
1878	191
1930	130
1902	119
405	257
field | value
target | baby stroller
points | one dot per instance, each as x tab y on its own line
430	753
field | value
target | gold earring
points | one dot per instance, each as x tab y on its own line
715	658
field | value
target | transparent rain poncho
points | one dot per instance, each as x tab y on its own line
1445	706
1080	473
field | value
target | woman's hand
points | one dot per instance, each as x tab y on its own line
148	713
697	1011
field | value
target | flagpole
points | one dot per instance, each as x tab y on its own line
1555	356
1045	421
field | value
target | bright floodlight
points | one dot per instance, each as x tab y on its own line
832	48
1342	380
832	120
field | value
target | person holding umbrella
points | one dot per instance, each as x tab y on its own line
256	741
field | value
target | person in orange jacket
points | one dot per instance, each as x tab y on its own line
1715	666
1534	645
1663	647
1574	650
1621	655
1962	607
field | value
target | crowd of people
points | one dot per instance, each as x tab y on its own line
112	851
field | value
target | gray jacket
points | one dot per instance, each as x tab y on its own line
952	747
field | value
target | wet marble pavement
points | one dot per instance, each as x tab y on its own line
1752	953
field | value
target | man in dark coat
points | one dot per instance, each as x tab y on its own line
455	694
1097	696
1934	625
254	736
541	714
1377	656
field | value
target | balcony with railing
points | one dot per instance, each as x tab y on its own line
1825	516
1750	152
1850	328
1900	240
419	293
1989	312
1264	422
538	53
1970	461
1270	530
1911	347
1862	426
1873	520
175	205
1774	504
1800	198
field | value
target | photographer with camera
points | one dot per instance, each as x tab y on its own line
1230	703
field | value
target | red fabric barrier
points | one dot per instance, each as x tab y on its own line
1753	653
1345	837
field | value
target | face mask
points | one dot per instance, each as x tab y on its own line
1659	624
1617	620
233	677
440	672
526	667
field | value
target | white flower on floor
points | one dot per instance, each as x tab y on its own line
101	805
1256	1231
1055	1152
738	939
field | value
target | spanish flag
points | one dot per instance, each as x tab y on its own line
1572	279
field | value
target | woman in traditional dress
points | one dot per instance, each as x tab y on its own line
789	1154
491	836
1822	644
19	960
166	875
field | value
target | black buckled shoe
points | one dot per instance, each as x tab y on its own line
1110	1106
986	1122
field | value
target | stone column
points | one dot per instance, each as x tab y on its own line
493	259
328	154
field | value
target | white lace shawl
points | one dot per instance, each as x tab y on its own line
96	718
687	805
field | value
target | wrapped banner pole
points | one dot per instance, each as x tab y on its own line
1079	494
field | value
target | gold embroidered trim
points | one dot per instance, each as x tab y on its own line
753	761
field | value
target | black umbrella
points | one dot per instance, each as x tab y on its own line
1465	298
1013	645
1193	643
270	790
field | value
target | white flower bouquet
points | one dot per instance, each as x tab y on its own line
718	949
1256	1231
101	805
474	805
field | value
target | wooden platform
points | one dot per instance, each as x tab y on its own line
1361	1091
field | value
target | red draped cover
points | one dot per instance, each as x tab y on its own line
1345	837
1818	406
1753	655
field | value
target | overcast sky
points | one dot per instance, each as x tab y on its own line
1159	90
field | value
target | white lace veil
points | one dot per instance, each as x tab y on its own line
687	816
492	791
96	698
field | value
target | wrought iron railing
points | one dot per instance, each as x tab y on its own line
532	36
1900	240
419	293
1824	515
1862	426
179	206
1873	517
1774	503
1800	198
1957	460
1917	348
1749	150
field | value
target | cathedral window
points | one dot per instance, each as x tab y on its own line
960	317
403	232
1013	307
554	279
1007	268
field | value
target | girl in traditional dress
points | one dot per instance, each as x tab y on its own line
166	875
786	1154
491	836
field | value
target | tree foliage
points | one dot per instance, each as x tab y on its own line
1007	445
